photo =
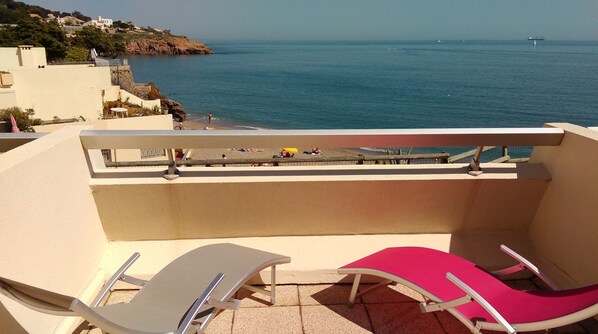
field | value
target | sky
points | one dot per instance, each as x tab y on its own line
350	19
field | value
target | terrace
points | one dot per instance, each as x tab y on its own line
65	211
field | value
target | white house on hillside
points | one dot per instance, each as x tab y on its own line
69	21
100	22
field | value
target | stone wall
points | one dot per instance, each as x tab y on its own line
123	77
143	90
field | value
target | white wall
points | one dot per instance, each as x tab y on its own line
128	97
67	91
9	58
51	236
157	122
14	57
398	200
63	91
8	98
564	230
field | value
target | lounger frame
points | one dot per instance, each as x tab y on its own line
433	303
193	320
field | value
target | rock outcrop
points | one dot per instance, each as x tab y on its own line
173	45
173	107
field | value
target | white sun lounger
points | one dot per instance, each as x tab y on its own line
184	296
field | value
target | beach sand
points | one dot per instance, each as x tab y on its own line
250	152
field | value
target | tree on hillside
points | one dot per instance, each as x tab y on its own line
10	16
12	11
77	54
121	25
91	37
80	16
37	33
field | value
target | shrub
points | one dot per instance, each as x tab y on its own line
23	118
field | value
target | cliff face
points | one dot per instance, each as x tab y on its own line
169	46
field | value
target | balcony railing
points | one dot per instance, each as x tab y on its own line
170	139
376	138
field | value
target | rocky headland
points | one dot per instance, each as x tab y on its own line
161	45
171	45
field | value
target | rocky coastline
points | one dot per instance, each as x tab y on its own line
160	45
172	45
173	107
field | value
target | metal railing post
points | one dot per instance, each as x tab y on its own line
474	165
172	172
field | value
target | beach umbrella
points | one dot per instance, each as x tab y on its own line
13	122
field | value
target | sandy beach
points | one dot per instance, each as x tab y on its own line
250	152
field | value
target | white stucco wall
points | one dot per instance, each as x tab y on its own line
51	236
9	58
128	97
67	91
8	98
564	230
63	91
157	122
22	56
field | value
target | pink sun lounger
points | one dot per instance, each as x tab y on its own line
476	297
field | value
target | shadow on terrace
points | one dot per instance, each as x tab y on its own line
69	221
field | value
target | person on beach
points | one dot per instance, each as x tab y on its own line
286	154
210	119
224	157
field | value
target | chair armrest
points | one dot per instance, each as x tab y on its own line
483	302
523	263
194	309
119	275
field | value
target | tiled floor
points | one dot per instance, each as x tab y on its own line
323	309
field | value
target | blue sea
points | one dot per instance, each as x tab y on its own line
368	85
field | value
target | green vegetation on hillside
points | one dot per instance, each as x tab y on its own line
11	12
104	43
34	32
21	28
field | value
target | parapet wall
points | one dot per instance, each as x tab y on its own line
564	231
387	200
51	235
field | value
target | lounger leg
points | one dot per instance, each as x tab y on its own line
272	292
273	285
354	289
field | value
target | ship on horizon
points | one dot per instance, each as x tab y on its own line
536	38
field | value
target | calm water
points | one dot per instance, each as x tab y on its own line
310	85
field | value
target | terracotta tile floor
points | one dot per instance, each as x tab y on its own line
323	309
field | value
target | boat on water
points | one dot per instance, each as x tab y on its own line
536	38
